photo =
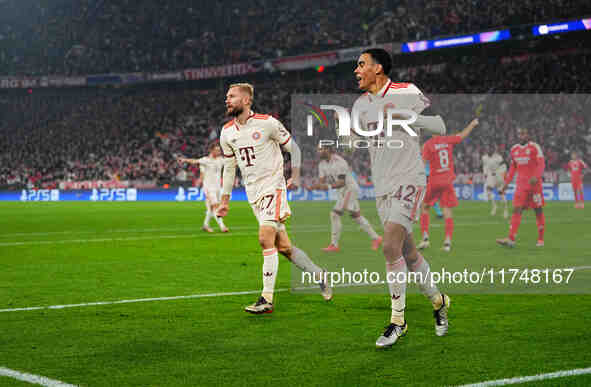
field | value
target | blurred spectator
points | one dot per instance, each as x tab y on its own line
101	36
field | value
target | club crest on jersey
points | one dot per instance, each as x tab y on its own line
256	136
527	151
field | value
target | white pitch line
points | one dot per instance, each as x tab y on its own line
136	300
139	238
308	229
33	379
533	378
205	295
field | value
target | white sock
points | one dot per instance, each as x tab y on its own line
424	281
220	221
208	215
397	287
365	226
505	201
335	228
304	263
270	266
491	197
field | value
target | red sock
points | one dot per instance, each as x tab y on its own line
449	228
541	222
425	223
515	222
581	195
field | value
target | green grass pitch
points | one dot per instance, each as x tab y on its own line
71	253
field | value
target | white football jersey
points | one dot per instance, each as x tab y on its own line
402	163
211	171
491	164
256	145
334	169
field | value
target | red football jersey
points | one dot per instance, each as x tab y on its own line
438	151
528	161
576	167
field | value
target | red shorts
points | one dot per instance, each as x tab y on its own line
443	191
528	196
577	184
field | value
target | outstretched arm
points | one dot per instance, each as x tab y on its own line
187	160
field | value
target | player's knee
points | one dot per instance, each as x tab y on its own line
265	242
266	239
355	214
337	212
392	251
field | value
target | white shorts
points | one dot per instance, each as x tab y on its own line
401	206
347	201
213	195
495	181
272	208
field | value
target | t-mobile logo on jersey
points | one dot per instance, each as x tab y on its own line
247	154
373	135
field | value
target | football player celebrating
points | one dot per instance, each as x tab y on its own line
254	142
399	180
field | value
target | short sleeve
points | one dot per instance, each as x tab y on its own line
226	149
278	132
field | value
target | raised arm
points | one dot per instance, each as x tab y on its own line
468	129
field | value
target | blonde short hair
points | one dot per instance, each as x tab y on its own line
245	87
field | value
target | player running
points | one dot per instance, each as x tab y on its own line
494	168
334	172
576	168
438	152
527	160
210	167
399	180
254	142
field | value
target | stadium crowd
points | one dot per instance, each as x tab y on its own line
136	134
101	36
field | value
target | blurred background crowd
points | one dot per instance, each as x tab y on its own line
136	134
